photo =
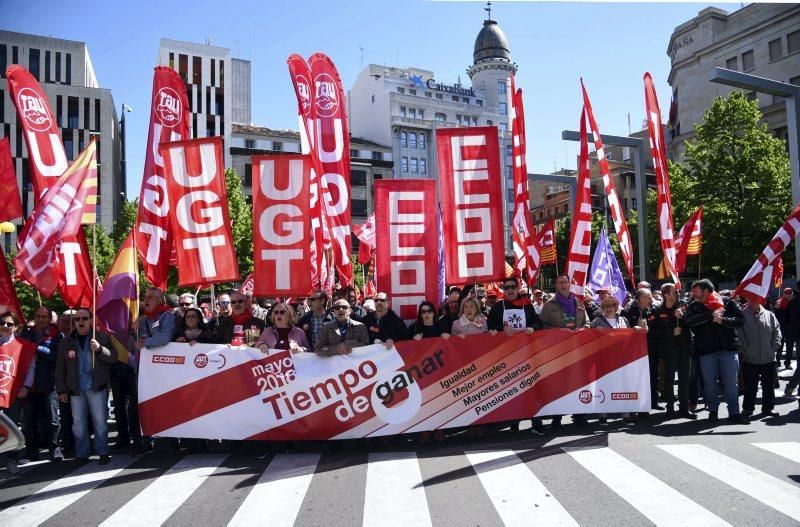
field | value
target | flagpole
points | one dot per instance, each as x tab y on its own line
699	259
94	283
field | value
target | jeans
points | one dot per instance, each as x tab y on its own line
726	364
752	373
96	404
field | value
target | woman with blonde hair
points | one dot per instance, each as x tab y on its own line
470	320
283	334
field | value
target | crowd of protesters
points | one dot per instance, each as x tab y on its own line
714	345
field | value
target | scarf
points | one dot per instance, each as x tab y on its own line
568	304
153	315
241	319
192	334
520	302
464	321
714	302
783	303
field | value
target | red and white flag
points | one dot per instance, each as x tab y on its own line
689	239
11	205
523	235
407	255
617	214
546	241
48	161
472	204
169	121
580	238
366	237
664	207
759	279
281	227
248	285
198	208
8	295
58	215
778	274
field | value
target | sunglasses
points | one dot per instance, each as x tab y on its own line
426	311
7	324
82	319
341	308
279	311
224	303
186	304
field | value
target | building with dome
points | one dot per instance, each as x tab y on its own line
403	107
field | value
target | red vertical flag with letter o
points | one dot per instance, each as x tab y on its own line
198	205
407	252
281	225
472	204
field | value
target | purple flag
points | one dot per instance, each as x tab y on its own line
604	272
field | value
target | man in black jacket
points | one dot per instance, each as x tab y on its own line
384	326
713	320
640	313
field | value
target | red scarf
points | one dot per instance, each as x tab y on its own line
153	315
783	302
244	317
520	302
714	302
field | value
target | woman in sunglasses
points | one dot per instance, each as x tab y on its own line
283	334
427	324
194	329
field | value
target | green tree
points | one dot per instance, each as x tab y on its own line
740	174
241	222
124	222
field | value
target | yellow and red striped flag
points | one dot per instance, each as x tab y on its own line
547	243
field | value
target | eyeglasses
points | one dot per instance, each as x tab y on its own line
380	300
509	287
426	311
82	319
224	303
341	308
7	324
279	311
186	304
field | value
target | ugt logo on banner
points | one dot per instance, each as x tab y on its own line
199	211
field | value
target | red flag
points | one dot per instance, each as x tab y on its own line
332	147
617	214
664	207
14	362
48	161
366	237
248	284
11	206
371	284
522	233
300	73
198	205
407	255
169	121
689	239
57	216
8	295
580	238
282	229
472	204
546	241
758	280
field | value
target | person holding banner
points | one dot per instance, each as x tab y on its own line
426	325
83	375
194	328
384	325
470	321
157	326
236	324
342	335
282	334
564	310
318	315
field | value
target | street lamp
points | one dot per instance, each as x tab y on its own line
791	93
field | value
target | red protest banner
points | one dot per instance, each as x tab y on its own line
281	226
198	205
472	204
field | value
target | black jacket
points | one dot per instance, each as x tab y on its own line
391	326
710	337
495	319
662	329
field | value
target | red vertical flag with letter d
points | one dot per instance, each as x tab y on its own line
198	205
472	204
407	255
281	225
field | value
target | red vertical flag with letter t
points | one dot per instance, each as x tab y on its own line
472	204
169	121
198	205
407	254
281	225
580	237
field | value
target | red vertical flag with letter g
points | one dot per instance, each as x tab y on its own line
198	205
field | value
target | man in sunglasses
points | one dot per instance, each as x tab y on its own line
513	314
342	335
83	374
317	316
240	327
384	325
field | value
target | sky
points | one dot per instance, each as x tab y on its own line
610	45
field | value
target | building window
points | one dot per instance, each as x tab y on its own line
421	113
458	118
412	112
412	91
795	80
479	102
439	96
248	175
353	153
793	42
59	110
465	100
412	140
46	65
213	71
504	126
58	66
250	143
68	67
277	146
503	108
403	111
732	64
183	67
633	204
422	141
404	139
748	61
14	55
428	94
489	122
401	90
414	165
440	117
197	70
509	170
358	177
97	115
222	74
86	114
73	110
751	96
474	121
33	62
455	98
775	49
501	86
69	146
373	99
423	166
404	164
219	104
509	150
377	156
3	60
358	207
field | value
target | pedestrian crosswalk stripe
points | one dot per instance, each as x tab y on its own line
162	497
767	489
280	490
656	500
790	449
516	493
42	505
395	494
